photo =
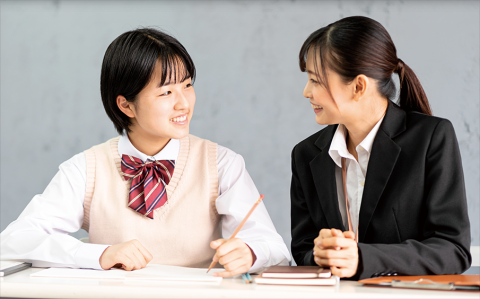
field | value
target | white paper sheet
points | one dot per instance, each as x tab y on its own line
151	272
80	273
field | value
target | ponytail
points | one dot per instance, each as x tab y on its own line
412	96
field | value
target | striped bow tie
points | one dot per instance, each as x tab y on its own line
149	180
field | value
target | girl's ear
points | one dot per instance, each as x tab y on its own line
125	106
361	83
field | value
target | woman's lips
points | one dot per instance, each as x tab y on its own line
316	108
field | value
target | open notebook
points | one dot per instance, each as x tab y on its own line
151	272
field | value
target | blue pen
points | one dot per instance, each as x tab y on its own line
247	278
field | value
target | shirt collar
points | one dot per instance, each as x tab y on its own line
338	147
169	152
367	143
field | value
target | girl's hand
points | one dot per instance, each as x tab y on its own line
234	255
338	251
130	255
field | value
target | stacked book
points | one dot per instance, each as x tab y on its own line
300	275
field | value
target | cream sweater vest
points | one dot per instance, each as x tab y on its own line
181	230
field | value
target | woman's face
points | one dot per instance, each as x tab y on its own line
328	110
163	111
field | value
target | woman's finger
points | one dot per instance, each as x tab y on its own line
330	253
325	233
340	263
349	234
342	242
337	233
321	263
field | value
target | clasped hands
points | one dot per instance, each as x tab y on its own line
337	250
234	255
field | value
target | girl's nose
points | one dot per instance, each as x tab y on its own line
182	102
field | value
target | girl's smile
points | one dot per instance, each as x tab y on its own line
180	120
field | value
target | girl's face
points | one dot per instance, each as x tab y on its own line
329	110
163	112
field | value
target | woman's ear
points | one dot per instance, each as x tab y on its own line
125	106
361	83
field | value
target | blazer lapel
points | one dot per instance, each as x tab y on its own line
383	158
323	171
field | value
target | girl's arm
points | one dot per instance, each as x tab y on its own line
237	194
40	235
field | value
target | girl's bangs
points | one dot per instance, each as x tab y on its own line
176	68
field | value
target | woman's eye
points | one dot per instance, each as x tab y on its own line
166	93
188	85
313	81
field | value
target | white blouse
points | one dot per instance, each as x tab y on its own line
40	235
356	171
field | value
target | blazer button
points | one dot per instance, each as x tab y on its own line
389	274
374	275
394	273
381	274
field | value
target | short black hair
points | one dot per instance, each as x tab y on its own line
129	63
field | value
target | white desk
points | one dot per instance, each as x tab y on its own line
22	285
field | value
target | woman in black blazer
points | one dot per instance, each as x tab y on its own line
405	211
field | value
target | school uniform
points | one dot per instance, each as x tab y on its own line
209	193
406	196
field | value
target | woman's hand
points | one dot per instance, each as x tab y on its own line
338	251
130	255
234	255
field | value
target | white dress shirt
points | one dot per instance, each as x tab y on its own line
41	233
356	171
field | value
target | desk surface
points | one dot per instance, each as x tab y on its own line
22	285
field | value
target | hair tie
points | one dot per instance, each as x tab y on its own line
399	66
400	71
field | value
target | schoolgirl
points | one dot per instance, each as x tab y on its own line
155	193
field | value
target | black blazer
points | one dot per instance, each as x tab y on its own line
413	217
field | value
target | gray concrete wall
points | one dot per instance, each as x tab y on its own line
249	87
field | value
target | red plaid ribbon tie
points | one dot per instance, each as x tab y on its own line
149	179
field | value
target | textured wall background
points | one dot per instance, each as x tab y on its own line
249	87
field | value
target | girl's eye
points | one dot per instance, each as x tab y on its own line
166	93
188	85
313	81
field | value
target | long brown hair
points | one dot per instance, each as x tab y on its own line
359	45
